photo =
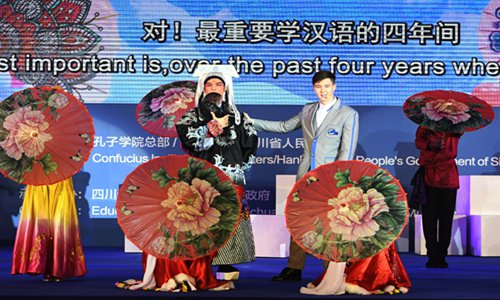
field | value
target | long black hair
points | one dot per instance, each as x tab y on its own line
207	105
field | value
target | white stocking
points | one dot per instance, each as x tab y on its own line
148	280
333	282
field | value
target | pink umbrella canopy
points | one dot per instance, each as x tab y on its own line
178	207
448	111
46	135
346	211
158	111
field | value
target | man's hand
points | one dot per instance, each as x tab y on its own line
250	120
223	121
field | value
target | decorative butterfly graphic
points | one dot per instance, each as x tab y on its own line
126	211
295	197
77	157
131	189
86	137
311	179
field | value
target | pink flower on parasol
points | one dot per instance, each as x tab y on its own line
26	133
354	211
448	111
172	100
158	111
190	206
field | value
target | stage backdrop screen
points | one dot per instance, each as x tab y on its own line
111	53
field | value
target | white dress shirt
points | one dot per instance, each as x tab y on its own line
323	111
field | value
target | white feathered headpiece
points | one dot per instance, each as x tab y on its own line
226	73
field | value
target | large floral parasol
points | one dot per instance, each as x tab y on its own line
448	111
46	135
346	210
178	207
162	107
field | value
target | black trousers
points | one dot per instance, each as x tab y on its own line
437	219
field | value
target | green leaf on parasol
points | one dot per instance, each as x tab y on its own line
365	182
185	175
387	221
168	121
399	210
162	177
209	175
47	163
342	178
195	166
226	189
388	189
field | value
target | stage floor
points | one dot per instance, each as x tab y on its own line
467	277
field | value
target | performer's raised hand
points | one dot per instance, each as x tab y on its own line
247	117
223	121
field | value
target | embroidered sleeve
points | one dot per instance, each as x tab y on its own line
193	133
199	139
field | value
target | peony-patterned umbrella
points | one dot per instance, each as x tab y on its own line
46	135
158	111
346	210
448	111
178	207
